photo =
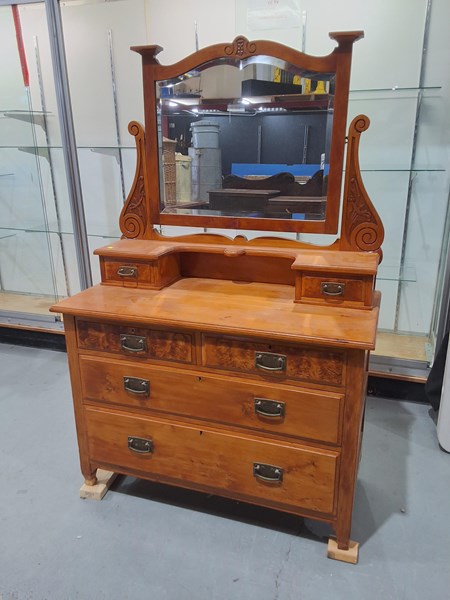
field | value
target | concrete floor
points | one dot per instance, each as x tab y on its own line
147	541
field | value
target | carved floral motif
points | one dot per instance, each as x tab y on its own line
240	47
134	214
362	227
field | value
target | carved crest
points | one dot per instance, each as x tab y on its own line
240	47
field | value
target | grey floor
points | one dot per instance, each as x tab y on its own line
145	541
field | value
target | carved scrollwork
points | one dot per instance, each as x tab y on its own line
240	47
134	216
362	229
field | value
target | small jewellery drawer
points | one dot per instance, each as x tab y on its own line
346	291
135	341
283	474
275	360
281	410
154	274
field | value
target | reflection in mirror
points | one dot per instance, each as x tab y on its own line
245	138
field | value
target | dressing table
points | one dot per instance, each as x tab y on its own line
227	365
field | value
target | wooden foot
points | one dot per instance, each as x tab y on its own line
99	489
349	556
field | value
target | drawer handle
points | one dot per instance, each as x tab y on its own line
133	343
134	385
268	361
268	473
140	445
127	271
269	408
330	288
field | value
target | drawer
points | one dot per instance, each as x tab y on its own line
154	274
281	410
135	341
205	458
278	361
356	292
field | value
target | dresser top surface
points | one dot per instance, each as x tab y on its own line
227	307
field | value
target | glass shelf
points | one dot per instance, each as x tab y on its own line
396	273
6	232
397	89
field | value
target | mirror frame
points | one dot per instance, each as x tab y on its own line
339	62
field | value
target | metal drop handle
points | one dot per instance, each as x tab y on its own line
135	385
269	408
127	271
268	361
330	288
268	473
133	343
140	445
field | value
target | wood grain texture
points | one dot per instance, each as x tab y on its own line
302	363
163	345
358	291
353	420
134	220
362	228
205	456
256	309
154	274
88	469
309	414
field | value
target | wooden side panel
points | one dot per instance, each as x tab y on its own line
214	459
302	363
309	414
162	345
87	468
352	432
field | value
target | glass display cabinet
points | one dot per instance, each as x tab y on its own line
216	363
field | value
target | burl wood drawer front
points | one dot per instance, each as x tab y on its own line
281	410
135	341
288	474
307	364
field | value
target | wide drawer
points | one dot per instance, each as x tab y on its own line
278	361
136	341
282	410
239	466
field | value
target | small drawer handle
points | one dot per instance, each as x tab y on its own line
127	271
268	473
268	361
269	408
134	385
331	288
140	445
133	343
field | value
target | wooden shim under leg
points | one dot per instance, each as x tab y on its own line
97	491
349	556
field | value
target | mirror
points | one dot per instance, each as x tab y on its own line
245	138
248	135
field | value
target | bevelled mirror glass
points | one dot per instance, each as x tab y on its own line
246	135
245	138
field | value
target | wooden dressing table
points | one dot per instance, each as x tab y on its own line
220	364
